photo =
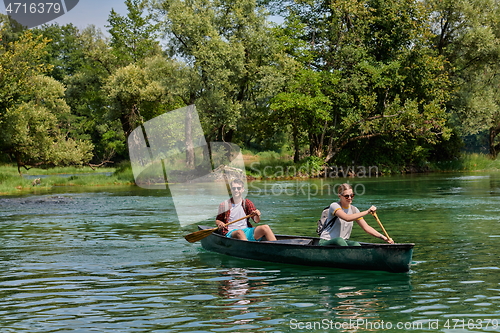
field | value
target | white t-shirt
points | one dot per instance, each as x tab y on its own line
340	228
237	212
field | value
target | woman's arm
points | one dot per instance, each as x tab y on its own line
351	217
369	230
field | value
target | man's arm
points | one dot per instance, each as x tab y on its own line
251	209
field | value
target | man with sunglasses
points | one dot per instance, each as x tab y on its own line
236	208
340	220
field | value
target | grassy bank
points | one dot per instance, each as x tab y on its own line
13	183
270	165
468	162
264	165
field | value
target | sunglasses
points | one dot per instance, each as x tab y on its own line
347	196
236	188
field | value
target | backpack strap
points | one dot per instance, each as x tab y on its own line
328	223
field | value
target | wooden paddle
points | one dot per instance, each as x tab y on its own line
200	234
380	224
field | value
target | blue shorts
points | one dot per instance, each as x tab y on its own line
248	232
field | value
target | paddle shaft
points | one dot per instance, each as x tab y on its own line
380	224
244	217
200	234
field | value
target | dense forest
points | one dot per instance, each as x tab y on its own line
400	82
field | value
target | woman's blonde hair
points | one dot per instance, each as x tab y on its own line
344	187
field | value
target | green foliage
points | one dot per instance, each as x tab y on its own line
64	50
379	75
388	155
303	107
391	83
270	164
34	113
232	50
313	165
270	156
124	172
10	170
140	92
133	37
88	100
468	34
147	83
468	162
12	183
19	61
10	30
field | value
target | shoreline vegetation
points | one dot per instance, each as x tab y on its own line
260	166
37	180
364	99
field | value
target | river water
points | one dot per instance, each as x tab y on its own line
115	260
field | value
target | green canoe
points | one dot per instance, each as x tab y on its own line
301	250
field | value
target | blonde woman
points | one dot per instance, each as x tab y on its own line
342	214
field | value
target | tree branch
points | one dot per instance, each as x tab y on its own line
180	40
368	119
105	160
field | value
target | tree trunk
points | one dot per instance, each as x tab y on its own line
127	128
296	144
315	145
189	137
127	119
494	148
19	164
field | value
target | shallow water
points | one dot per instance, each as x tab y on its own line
115	260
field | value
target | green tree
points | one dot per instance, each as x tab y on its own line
142	91
133	37
11	30
83	61
381	75
304	108
467	33
132	94
231	48
33	113
64	51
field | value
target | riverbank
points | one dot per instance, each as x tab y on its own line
269	165
260	166
38	180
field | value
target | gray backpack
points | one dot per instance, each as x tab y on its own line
324	222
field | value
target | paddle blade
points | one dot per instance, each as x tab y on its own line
198	235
